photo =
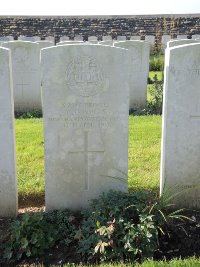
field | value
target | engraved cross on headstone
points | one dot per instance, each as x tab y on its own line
86	152
22	84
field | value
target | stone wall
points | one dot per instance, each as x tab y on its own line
100	25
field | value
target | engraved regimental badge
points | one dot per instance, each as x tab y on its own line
85	76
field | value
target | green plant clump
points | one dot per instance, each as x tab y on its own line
118	227
154	105
37	232
156	63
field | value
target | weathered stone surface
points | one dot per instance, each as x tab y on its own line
177	42
8	180
26	75
139	53
180	153
85	103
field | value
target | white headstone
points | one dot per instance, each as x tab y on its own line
29	38
93	39
26	75
50	39
180	153
139	54
44	44
176	42
196	36
121	38
6	38
165	39
107	38
78	38
85	103
181	36
8	178
64	38
150	39
135	37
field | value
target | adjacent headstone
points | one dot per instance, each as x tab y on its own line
181	36
121	38
196	36
150	39
135	37
26	75
180	153
165	39
29	38
177	42
8	177
44	44
50	39
64	38
93	39
107	38
139	54
6	38
78	38
85	103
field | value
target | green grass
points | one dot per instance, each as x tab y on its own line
144	154
158	73
30	157
190	262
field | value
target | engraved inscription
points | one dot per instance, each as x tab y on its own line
85	152
85	76
87	116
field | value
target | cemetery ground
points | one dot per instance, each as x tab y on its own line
180	238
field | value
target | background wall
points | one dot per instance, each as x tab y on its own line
100	25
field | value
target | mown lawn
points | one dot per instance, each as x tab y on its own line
144	155
191	262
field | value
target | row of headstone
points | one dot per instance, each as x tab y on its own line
85	102
26	72
180	153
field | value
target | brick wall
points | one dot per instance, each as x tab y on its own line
100	25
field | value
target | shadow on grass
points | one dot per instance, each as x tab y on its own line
31	200
38	199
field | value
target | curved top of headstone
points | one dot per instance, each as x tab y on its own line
179	42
